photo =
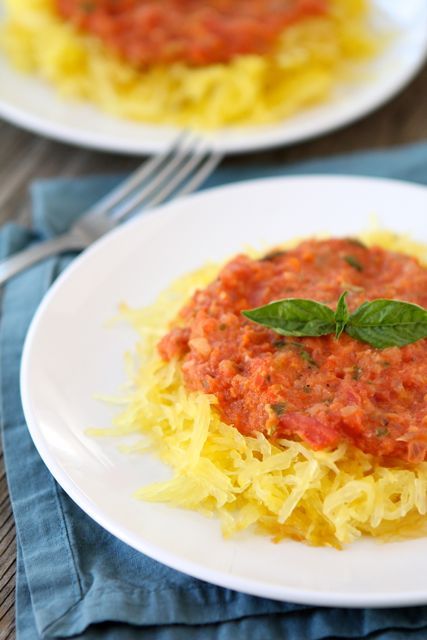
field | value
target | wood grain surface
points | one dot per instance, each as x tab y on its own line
25	157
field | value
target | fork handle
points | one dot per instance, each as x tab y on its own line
18	262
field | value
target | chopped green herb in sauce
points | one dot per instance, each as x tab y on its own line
279	408
381	432
302	351
357	373
306	355
279	344
357	242
354	262
272	255
87	7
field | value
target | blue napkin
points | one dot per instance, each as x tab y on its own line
76	580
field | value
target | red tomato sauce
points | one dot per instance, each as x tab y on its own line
147	32
321	391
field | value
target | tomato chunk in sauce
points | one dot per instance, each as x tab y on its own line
147	32
319	390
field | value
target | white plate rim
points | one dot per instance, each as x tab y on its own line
303	596
229	141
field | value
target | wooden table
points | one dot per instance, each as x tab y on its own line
24	157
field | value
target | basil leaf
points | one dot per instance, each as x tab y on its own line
342	314
295	317
388	323
381	323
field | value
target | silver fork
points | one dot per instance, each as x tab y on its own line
175	173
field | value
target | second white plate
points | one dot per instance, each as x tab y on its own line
32	104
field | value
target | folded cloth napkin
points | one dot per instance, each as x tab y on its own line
76	580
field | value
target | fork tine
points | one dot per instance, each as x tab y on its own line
201	162
180	165
138	177
200	175
180	186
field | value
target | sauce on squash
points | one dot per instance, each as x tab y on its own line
149	32
319	390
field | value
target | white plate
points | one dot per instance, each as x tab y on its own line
70	355
32	104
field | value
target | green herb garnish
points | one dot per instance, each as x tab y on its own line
381	323
342	315
295	317
354	262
